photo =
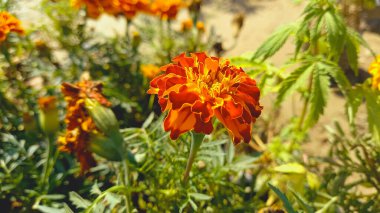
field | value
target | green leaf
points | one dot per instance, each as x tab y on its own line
335	31
183	206
193	205
373	107
302	202
199	196
337	73
296	79
294	168
318	96
354	100
352	51
78	201
287	205
274	42
359	39
67	209
47	209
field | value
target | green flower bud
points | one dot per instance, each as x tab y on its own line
48	115
103	117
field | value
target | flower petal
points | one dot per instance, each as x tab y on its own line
179	121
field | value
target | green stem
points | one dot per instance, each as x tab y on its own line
6	54
196	141
47	166
125	182
127	30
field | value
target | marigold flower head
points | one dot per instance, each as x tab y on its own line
47	103
96	7
187	24
149	70
166	9
9	23
79	123
195	89
200	26
374	70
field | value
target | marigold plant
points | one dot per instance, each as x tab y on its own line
79	123
9	23
195	89
374	70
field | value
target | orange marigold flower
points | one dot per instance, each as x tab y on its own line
166	9
195	89
96	7
9	23
374	70
200	26
186	25
79	123
149	70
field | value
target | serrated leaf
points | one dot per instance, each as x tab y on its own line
287	205
335	31
359	39
274	42
373	107
296	79
318	96
95	190
337	73
354	99
352	51
199	196
78	201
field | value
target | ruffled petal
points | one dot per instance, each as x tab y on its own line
238	129
179	121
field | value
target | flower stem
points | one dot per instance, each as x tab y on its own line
196	141
125	182
47	165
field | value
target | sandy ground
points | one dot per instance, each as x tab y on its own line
262	17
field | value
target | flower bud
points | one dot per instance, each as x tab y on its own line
48	114
136	39
186	25
103	117
200	26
